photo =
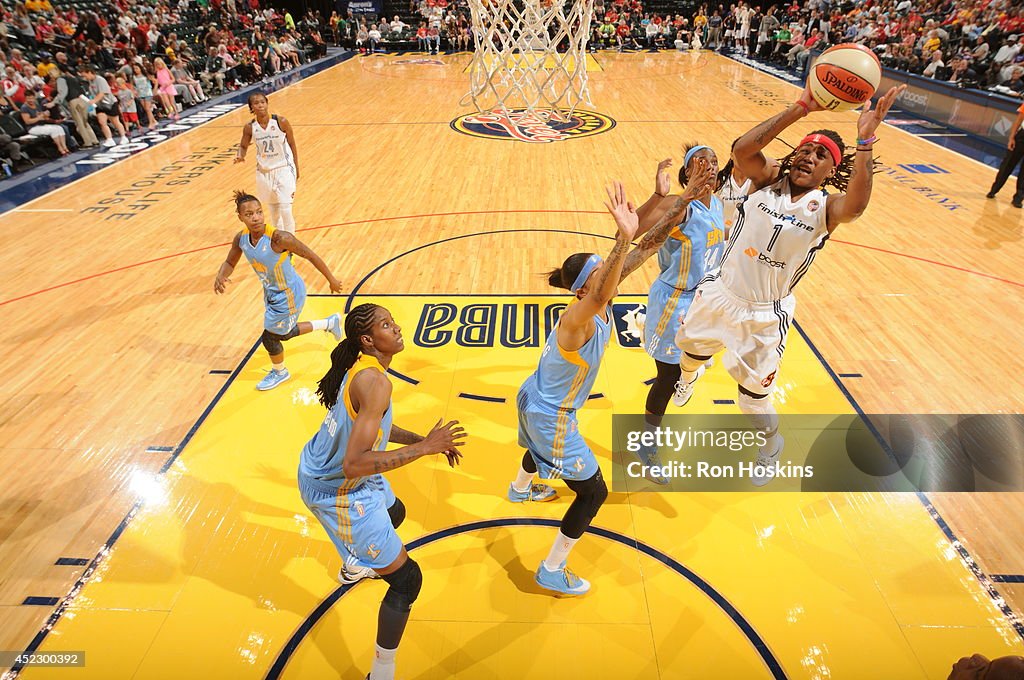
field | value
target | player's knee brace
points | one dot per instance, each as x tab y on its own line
397	513
760	410
272	341
590	496
405	583
286	221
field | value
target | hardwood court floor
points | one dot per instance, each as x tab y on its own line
112	329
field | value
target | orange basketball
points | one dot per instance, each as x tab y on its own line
844	77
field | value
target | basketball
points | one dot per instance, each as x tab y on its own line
844	77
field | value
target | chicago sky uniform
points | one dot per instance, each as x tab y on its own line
284	291
692	249
354	512
747	306
549	398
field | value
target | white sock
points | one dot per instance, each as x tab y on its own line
278	367
559	552
687	376
319	324
383	664
523	480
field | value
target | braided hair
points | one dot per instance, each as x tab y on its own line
565	276
241	197
840	179
358	323
720	178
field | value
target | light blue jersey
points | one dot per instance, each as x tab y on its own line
354	512
692	250
322	456
548	400
284	291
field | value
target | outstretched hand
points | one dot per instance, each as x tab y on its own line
626	219
663	182
220	284
870	118
446	439
700	183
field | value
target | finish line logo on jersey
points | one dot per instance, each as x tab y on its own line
500	322
522	126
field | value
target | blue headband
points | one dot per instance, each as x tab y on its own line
690	154
592	263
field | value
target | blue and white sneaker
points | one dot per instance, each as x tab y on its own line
561	581
648	456
273	379
538	493
348	575
334	326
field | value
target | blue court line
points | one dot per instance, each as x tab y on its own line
650	381
58	613
220	371
480	397
756	641
1007	578
986	582
400	376
71	562
596	395
850	375
362	281
41	601
159	449
724	402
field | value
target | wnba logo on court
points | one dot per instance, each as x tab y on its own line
520	125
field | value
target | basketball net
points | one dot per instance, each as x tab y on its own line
516	63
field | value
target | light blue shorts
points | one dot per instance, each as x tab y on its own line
357	522
283	309
552	436
666	307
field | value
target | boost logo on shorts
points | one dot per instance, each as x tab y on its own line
525	127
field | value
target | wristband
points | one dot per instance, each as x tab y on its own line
870	140
806	108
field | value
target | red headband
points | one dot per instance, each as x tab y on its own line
826	142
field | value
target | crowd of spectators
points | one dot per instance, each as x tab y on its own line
79	78
972	43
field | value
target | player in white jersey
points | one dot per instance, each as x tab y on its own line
733	190
277	161
747	307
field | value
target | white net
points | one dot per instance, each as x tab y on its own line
530	56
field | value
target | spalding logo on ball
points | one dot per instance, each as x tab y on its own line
844	77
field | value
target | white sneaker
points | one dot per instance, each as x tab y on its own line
348	575
768	461
108	142
685	390
123	140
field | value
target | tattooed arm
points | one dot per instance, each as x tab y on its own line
748	150
371	394
699	186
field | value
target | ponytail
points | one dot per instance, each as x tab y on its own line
564	276
342	358
357	323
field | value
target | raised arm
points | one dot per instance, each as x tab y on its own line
285	241
228	266
371	392
243	145
290	137
701	184
747	154
651	211
848	206
606	280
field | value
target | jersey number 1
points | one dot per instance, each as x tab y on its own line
775	236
